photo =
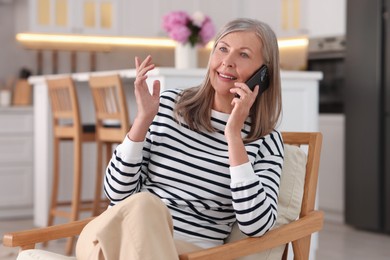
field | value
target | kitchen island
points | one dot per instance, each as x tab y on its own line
300	113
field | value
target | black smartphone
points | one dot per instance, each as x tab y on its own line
261	78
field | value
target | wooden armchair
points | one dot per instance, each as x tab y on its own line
297	232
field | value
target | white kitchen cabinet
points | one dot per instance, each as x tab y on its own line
332	169
326	18
51	16
286	17
98	17
16	162
289	18
75	16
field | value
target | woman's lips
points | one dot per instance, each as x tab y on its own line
226	76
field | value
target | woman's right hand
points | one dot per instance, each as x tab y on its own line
147	103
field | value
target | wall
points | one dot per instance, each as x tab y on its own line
12	57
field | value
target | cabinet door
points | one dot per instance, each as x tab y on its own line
96	17
16	162
286	17
51	16
326	18
75	16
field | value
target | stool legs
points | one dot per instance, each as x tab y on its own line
100	172
77	183
99	179
55	183
73	215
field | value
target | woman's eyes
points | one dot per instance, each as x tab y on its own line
242	54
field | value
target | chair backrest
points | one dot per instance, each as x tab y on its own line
313	141
64	106
111	111
296	197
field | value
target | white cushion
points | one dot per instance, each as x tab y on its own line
290	199
34	254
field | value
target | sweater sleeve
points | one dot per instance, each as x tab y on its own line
255	187
127	169
123	173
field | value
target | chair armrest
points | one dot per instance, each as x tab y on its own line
28	238
300	228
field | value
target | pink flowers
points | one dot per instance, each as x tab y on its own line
197	29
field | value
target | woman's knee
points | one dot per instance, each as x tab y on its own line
145	203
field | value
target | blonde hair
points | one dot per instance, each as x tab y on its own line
194	105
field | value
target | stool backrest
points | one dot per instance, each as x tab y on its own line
64	106
111	111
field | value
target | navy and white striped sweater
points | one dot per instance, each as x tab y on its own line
190	173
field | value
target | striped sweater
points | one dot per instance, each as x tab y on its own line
189	171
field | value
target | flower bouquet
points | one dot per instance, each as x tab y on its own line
189	32
197	29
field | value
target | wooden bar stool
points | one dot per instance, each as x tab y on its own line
112	125
67	127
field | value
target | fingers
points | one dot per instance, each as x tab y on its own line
136	62
156	88
143	67
241	90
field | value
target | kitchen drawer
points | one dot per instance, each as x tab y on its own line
16	149
15	185
16	123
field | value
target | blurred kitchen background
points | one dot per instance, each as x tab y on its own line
346	40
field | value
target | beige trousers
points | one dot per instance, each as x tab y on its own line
138	228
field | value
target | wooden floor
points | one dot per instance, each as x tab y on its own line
336	242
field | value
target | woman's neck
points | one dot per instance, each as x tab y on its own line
222	104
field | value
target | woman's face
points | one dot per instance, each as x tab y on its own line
236	57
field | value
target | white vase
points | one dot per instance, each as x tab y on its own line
186	56
5	97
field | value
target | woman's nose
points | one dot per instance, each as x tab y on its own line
228	61
227	64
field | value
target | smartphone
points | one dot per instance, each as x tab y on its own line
261	78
